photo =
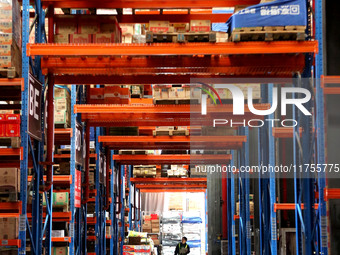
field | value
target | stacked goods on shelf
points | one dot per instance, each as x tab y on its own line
226	94
87	29
251	205
10	38
60	201
167	94
191	229
9	228
10	130
144	171
171	231
196	31
178	171
137	91
268	21
167	130
110	95
138	243
9	184
62	107
127	32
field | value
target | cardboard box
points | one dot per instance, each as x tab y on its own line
96	95
88	27
124	95
61	93
66	25
180	27
103	38
80	38
59	251
200	26
10	179
127	39
62	117
222	37
127	29
156	242
6	38
159	26
9	228
63	38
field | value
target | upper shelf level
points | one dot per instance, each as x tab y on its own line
178	49
147	4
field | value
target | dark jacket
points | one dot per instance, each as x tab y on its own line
180	246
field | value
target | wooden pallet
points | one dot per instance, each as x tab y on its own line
270	33
13	142
170	132
64	125
144	176
180	37
8	194
8	72
133	152
176	101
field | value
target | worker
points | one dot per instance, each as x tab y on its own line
182	247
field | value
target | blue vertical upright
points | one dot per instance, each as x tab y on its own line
122	213
113	204
73	171
130	202
320	130
98	197
24	127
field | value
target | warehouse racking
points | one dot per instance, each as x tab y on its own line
59	65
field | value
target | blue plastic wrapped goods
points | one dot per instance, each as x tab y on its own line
276	13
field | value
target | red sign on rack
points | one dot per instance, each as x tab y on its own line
77	189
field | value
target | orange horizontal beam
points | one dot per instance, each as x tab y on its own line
10	152
57	216
148	4
172	142
290	206
330	80
10	206
13	82
171	159
236	217
171	190
168	180
166	186
59	156
160	49
57	179
10	242
93	238
160	109
284	132
61	239
173	17
331	194
169	61
91	220
168	79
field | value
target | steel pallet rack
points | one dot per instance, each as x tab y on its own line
56	61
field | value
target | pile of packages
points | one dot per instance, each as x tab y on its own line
171	231
191	229
87	29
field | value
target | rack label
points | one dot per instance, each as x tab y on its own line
79	144
22	222
34	107
71	230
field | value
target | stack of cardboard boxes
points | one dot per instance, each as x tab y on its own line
151	223
62	107
169	92
87	29
178	171
10	36
144	171
60	200
10	181
9	228
225	93
110	95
